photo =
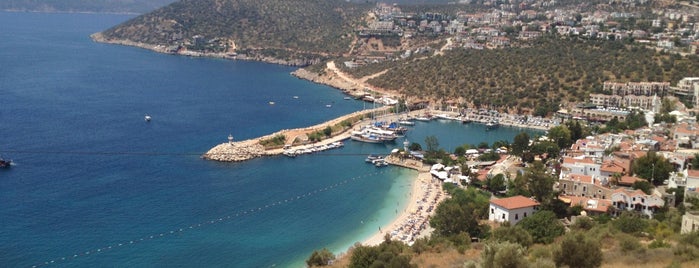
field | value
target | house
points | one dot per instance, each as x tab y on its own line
585	166
583	185
690	222
512	209
636	200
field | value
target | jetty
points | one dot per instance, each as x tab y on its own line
236	151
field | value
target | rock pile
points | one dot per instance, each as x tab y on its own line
235	152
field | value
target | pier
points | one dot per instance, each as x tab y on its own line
236	151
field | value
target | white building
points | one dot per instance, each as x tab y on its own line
512	209
636	200
690	222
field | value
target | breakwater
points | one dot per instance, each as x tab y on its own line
252	148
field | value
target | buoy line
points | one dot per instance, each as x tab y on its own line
228	217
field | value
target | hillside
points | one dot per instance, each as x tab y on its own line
542	74
106	6
289	29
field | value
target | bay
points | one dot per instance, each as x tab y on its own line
95	185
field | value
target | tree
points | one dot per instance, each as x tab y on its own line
415	147
695	160
653	167
520	144
513	234
539	183
503	255
630	223
328	131
576	130
644	186
548	147
451	219
431	143
543	226
321	257
496	183
578	250
518	186
460	151
561	135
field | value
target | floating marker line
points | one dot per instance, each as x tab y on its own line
231	216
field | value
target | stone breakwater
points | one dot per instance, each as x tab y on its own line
235	151
249	149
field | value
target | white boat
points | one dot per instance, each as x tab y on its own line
347	98
423	118
147	118
406	123
328	105
493	124
372	157
271	103
380	163
296	97
364	137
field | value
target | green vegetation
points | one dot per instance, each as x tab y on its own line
652	167
538	240
539	75
460	214
276	141
543	226
578	250
321	257
293	29
387	254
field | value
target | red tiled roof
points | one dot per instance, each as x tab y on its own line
611	167
581	178
514	202
569	160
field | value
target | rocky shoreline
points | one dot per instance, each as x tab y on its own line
100	38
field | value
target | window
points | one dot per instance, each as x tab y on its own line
525	214
503	216
584	188
492	210
516	216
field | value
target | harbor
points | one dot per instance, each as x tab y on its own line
364	130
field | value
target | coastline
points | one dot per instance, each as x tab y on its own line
99	37
425	192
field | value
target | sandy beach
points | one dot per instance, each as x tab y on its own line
413	222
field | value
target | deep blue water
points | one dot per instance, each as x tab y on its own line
93	182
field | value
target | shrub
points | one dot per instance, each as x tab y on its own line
578	250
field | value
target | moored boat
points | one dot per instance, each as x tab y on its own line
492	124
372	157
406	123
423	118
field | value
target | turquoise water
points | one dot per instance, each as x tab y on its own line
96	186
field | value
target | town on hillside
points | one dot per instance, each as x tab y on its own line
502	24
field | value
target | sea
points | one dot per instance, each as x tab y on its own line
94	185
